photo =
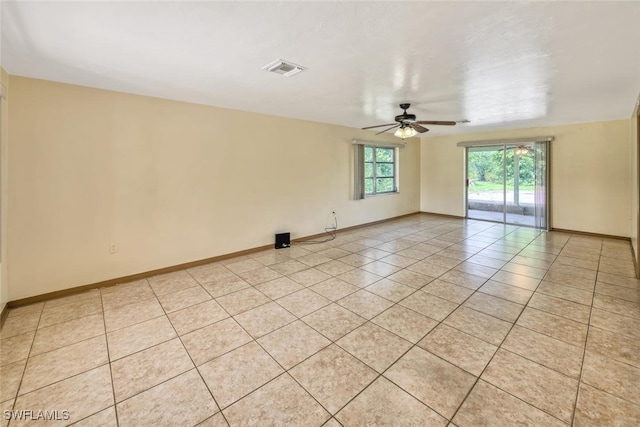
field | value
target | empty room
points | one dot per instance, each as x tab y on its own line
319	213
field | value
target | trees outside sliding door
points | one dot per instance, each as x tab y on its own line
508	183
485	183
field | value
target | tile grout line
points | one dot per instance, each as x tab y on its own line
284	370
113	387
195	366
414	345
26	364
493	356
586	341
255	340
335	342
331	342
63	379
150	347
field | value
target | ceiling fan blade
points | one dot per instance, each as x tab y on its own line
392	127
435	122
377	126
419	128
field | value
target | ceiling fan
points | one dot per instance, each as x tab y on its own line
408	126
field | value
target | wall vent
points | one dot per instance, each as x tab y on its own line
284	68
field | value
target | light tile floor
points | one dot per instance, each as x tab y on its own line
422	321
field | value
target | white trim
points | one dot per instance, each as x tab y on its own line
395	163
491	142
378	144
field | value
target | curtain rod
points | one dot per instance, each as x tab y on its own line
378	144
490	142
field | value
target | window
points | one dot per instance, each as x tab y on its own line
375	168
379	170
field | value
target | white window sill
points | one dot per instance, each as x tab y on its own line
366	196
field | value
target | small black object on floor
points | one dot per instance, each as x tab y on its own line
283	240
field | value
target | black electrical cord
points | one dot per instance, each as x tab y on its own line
331	231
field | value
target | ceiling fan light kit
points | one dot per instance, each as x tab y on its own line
407	125
405	132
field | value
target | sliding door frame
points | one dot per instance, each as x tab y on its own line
505	143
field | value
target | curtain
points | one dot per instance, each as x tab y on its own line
541	194
358	167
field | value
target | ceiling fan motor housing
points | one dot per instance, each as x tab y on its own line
404	116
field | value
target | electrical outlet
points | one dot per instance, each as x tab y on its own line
113	248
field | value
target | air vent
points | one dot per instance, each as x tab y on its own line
284	68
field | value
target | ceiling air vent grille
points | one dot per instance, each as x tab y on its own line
284	68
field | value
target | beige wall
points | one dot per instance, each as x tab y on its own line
591	176
168	183
4	132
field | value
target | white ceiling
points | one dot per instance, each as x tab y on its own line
500	65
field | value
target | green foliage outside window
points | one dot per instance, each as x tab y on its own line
379	170
486	168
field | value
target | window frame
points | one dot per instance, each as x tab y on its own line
374	164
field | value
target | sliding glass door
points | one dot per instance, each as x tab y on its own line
508	183
485	183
